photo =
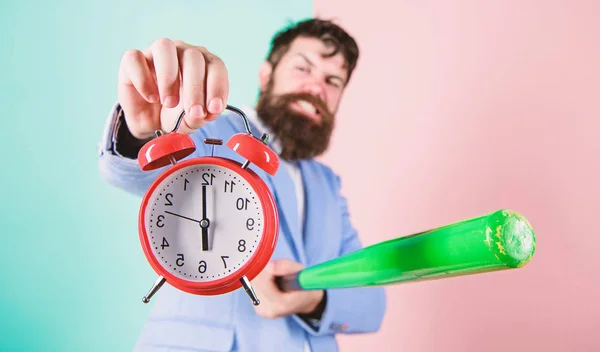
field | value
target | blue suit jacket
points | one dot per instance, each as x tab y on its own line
185	322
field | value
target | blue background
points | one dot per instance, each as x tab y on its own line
73	273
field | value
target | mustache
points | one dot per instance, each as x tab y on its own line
316	101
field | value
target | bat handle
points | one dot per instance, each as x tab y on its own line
288	282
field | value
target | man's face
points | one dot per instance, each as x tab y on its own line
300	97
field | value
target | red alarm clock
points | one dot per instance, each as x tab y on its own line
208	225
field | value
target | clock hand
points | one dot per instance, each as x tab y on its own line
204	223
185	217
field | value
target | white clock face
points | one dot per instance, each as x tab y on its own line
204	238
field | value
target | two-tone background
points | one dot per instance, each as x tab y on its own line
456	109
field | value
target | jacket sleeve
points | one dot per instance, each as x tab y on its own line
349	310
121	171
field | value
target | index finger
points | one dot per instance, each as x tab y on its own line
217	86
193	70
163	54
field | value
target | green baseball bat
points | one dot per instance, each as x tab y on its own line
500	240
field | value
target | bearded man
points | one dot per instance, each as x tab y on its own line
302	82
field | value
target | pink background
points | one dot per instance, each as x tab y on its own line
461	108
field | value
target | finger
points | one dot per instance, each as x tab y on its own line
135	72
169	117
164	57
285	267
217	86
269	268
193	73
269	297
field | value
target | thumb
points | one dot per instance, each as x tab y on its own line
285	267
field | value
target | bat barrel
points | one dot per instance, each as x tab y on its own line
501	240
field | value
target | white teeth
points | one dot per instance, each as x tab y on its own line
307	106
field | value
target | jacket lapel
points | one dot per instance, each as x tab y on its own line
287	204
321	230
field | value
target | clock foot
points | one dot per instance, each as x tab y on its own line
249	290
157	285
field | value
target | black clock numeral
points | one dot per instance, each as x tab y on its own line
202	267
179	260
159	221
164	243
250	224
223	257
207	182
242	203
229	185
242	246
185	183
169	202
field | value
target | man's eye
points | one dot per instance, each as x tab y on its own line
301	69
333	83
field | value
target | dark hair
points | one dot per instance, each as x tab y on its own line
331	34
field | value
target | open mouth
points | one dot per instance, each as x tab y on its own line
307	108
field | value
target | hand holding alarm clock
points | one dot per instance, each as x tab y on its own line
207	225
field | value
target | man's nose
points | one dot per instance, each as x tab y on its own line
315	89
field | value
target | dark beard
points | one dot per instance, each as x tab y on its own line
300	136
